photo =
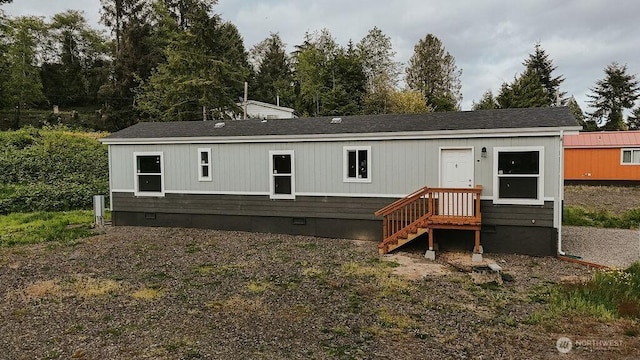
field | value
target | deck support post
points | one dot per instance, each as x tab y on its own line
430	254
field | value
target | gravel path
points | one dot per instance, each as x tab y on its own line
612	247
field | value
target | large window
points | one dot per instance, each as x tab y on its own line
204	164
630	156
518	175
149	174
357	163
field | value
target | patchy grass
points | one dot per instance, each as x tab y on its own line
609	295
37	227
147	293
579	216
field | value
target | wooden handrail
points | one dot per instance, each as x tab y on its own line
401	202
415	210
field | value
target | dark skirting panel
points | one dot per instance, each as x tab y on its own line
321	227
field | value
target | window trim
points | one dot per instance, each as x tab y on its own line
272	176
540	176
201	165
137	191
345	164
631	163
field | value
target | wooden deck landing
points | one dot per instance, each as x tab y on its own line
427	209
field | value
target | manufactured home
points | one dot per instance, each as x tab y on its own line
611	157
496	173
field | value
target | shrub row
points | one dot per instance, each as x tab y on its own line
49	197
51	169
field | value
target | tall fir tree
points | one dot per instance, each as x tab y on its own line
203	75
612	95
540	64
273	81
433	72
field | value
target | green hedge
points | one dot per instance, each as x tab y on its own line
51	169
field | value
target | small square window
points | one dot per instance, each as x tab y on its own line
357	163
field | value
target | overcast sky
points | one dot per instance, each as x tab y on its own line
489	39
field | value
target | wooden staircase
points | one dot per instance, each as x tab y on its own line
427	209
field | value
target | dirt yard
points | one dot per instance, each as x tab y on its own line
145	293
611	198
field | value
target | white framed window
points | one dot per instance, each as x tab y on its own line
518	175
149	173
630	157
357	164
282	181
204	164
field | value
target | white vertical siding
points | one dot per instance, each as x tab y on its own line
398	166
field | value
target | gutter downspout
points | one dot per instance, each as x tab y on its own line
560	201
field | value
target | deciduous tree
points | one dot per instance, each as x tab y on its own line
432	70
24	86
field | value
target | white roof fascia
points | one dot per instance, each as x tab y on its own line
404	135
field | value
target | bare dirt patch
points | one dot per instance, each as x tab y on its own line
615	199
235	295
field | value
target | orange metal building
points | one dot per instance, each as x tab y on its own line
602	156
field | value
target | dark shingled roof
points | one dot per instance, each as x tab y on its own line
462	120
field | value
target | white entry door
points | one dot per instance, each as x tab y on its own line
456	171
456	168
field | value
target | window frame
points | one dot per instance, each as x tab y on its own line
201	165
631	150
136	174
540	176
272	176
345	164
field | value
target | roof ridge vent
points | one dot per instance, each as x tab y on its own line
219	125
336	120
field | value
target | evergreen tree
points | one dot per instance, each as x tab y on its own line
634	119
612	95
313	72
274	77
487	102
526	91
433	72
576	111
540	64
205	70
134	56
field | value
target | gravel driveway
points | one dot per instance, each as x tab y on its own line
611	247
